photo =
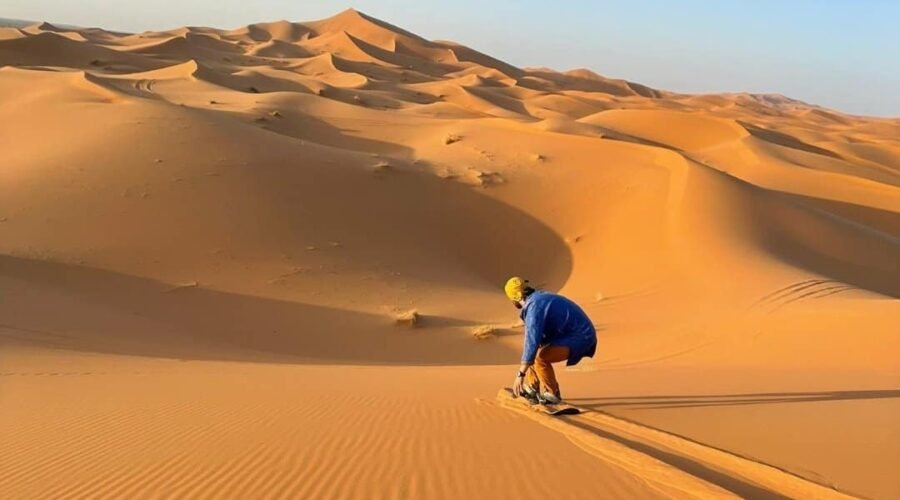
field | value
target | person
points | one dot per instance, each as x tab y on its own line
556	330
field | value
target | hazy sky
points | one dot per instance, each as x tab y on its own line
843	54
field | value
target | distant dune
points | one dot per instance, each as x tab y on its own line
14	23
267	262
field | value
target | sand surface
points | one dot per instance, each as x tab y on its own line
214	244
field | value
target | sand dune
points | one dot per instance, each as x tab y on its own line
684	131
281	31
11	33
279	49
52	49
208	239
359	25
45	27
587	80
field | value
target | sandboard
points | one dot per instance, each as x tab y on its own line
554	410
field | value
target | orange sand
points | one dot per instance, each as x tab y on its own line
209	240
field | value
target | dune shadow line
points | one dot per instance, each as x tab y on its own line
743	489
201	324
714	400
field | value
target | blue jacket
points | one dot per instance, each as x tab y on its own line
554	319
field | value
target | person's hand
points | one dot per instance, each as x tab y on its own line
517	386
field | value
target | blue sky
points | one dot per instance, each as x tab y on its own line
838	53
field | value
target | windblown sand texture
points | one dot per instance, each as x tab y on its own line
267	263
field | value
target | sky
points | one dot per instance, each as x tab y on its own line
842	54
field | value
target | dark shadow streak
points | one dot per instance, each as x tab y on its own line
204	324
788	141
682	401
738	487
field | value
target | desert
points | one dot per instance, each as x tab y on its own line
268	262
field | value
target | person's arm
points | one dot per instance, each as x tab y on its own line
534	330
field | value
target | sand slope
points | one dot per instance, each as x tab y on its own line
204	230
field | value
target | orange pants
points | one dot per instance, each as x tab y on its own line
540	375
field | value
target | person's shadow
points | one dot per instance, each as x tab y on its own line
694	401
697	466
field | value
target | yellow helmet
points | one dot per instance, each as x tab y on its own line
515	288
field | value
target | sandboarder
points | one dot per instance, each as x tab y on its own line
556	329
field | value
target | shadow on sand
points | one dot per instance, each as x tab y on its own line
70	307
664	402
